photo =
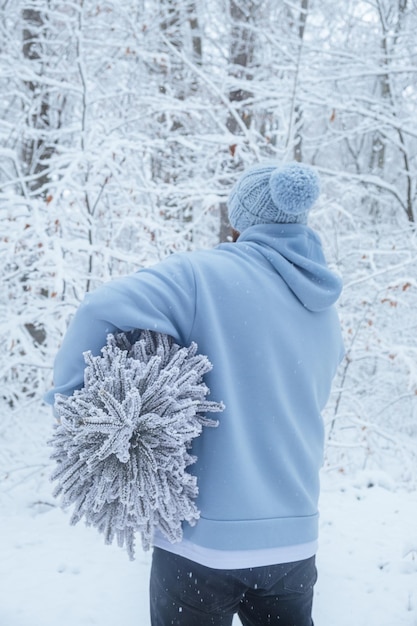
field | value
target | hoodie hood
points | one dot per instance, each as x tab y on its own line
296	254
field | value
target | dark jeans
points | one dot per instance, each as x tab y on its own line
184	593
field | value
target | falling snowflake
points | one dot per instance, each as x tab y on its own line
122	442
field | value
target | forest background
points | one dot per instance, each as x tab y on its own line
123	126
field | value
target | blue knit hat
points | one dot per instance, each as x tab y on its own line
273	194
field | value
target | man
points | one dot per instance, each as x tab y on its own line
262	310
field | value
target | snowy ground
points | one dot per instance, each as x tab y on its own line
52	573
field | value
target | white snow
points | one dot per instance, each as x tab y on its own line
52	573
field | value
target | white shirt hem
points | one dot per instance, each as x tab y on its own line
237	559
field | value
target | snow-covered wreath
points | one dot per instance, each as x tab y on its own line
122	442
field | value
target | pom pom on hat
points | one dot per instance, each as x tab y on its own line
294	188
271	194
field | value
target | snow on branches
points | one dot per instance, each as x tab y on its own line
122	444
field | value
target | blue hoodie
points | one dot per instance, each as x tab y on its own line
262	310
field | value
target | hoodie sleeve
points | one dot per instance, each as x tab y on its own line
161	298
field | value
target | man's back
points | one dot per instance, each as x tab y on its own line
273	362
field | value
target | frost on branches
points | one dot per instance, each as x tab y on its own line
122	443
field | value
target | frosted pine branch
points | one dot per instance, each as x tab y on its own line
122	444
